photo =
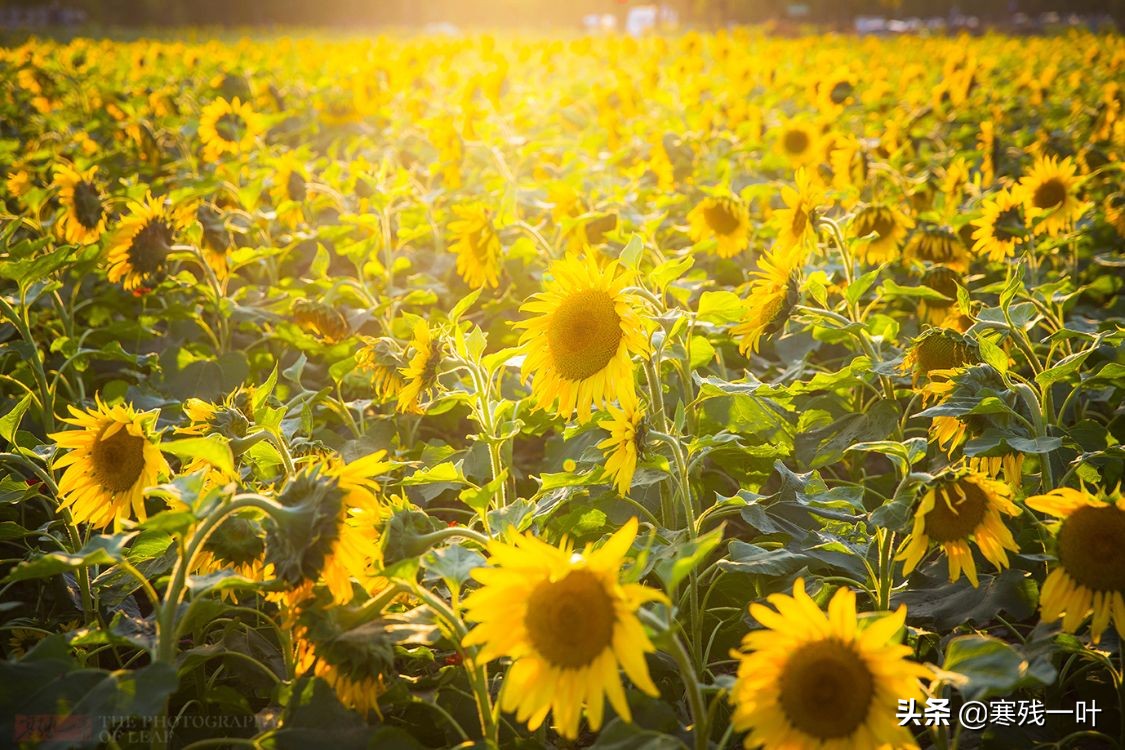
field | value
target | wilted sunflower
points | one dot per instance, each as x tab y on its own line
797	222
113	457
320	319
799	142
933	244
959	507
228	127
420	376
1090	574
1000	229
817	681
1049	195
477	246
580	343
567	623
725	218
626	440
890	227
380	358
939	349
769	300
85	217
138	252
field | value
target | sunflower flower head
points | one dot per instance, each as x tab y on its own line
580	342
420	376
626	442
938	350
945	281
567	623
114	455
1049	193
1000	229
228	127
724	218
960	507
321	320
811	679
796	222
138	251
85	217
889	227
1089	577
931	243
381	358
477	246
772	295
299	540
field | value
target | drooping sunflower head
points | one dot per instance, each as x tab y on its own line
945	281
237	545
796	223
477	246
420	376
937	350
228	126
85	217
772	295
889	227
959	507
1000	229
579	345
1090	545
724	218
626	442
382	359
114	456
931	243
299	541
353	660
814	680
138	252
1049	193
320	319
568	624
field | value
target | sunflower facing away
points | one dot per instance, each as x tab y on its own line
1049	195
477	246
934	244
626	441
725	218
797	222
1090	546
945	281
579	345
937	350
823	681
999	230
85	217
138	252
957	508
420	375
567	624
771	297
890	227
113	458
228	127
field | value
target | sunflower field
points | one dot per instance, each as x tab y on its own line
532	391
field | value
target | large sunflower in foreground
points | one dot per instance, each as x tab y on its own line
568	625
958	508
725	218
580	343
626	441
85	217
477	246
1090	574
228	127
1050	195
771	297
138	252
823	681
113	458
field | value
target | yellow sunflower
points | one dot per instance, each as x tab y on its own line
945	281
138	251
580	343
113	457
477	246
957	508
228	127
237	545
938	350
355	553
1115	212
999	230
321	320
770	299
289	189
933	244
890	227
85	217
1049	193
567	623
380	359
626	440
350	661
797	222
216	241
421	373
725	218
799	142
815	681
1090	546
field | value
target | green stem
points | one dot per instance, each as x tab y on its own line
700	728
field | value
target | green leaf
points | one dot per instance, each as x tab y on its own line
720	307
669	271
101	550
10	422
890	290
676	561
454	564
1063	369
463	304
632	253
446	471
993	355
989	666
480	498
214	449
860	286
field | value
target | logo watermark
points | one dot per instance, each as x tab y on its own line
34	728
936	712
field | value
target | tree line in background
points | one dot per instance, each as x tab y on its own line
541	12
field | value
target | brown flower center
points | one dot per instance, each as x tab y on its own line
150	248
796	141
826	689
87	204
1092	547
584	334
570	621
1049	194
722	217
119	459
230	128
955	517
